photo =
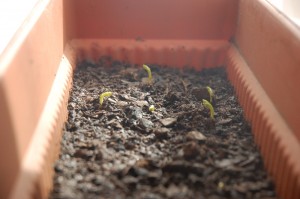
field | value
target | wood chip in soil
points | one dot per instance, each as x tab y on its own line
123	150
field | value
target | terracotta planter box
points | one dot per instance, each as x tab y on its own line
257	44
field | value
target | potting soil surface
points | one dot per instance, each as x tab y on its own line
121	149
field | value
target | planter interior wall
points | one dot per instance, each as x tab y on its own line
257	44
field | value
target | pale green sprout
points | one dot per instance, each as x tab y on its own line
210	92
105	94
221	185
151	108
149	72
208	105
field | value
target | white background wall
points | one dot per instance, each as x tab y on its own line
289	7
14	12
12	15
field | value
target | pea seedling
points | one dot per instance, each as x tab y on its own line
208	105
105	94
149	73
210	92
151	108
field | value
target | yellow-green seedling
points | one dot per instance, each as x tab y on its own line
149	72
221	185
151	108
208	105
210	92
105	94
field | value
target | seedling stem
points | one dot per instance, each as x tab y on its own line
210	92
208	105
149	72
105	94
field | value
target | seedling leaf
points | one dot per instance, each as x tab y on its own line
151	108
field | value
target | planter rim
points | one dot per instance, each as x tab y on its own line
63	42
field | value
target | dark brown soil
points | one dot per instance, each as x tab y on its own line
122	150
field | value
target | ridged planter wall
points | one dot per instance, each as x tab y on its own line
257	44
